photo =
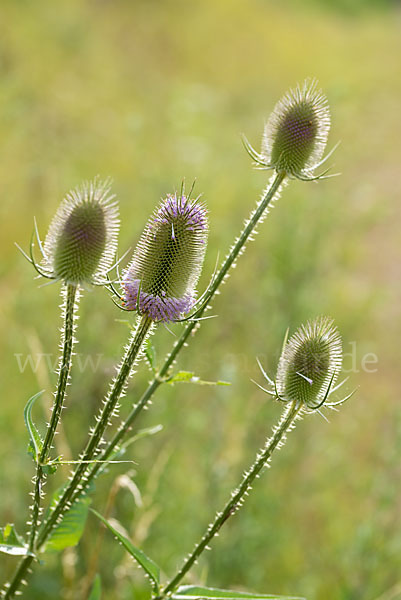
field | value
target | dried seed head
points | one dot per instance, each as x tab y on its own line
296	133
310	362
167	262
82	239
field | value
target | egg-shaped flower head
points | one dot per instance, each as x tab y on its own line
295	136
310	363
161	278
82	239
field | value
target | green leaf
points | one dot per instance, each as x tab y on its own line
189	377
120	450
147	431
50	468
186	592
125	322
150	354
96	592
70	529
14	550
11	542
147	564
9	535
35	441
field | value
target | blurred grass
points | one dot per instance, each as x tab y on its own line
150	92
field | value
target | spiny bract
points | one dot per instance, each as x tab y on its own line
168	259
82	239
310	363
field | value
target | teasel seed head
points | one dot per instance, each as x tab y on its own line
160	281
82	239
296	133
310	363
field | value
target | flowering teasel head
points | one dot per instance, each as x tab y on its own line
160	281
309	366
81	242
310	362
296	133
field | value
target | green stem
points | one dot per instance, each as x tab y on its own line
69	307
238	496
81	480
232	256
64	371
95	439
18	579
77	485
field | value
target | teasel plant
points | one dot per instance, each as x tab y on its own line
79	251
306	156
149	301
162	276
306	378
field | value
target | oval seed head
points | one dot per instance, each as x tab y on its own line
296	133
310	363
82	239
161	278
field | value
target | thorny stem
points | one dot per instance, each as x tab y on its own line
64	371
95	440
64	502
19	578
237	499
159	378
71	300
80	482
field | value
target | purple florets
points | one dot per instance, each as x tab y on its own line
158	308
173	207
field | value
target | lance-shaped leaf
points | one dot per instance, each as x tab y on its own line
35	441
190	592
190	377
11	542
147	564
71	527
96	592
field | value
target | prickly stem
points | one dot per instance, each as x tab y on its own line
69	306
82	477
285	424
95	440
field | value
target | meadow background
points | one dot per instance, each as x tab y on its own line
149	92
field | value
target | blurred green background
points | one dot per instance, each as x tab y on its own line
149	92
